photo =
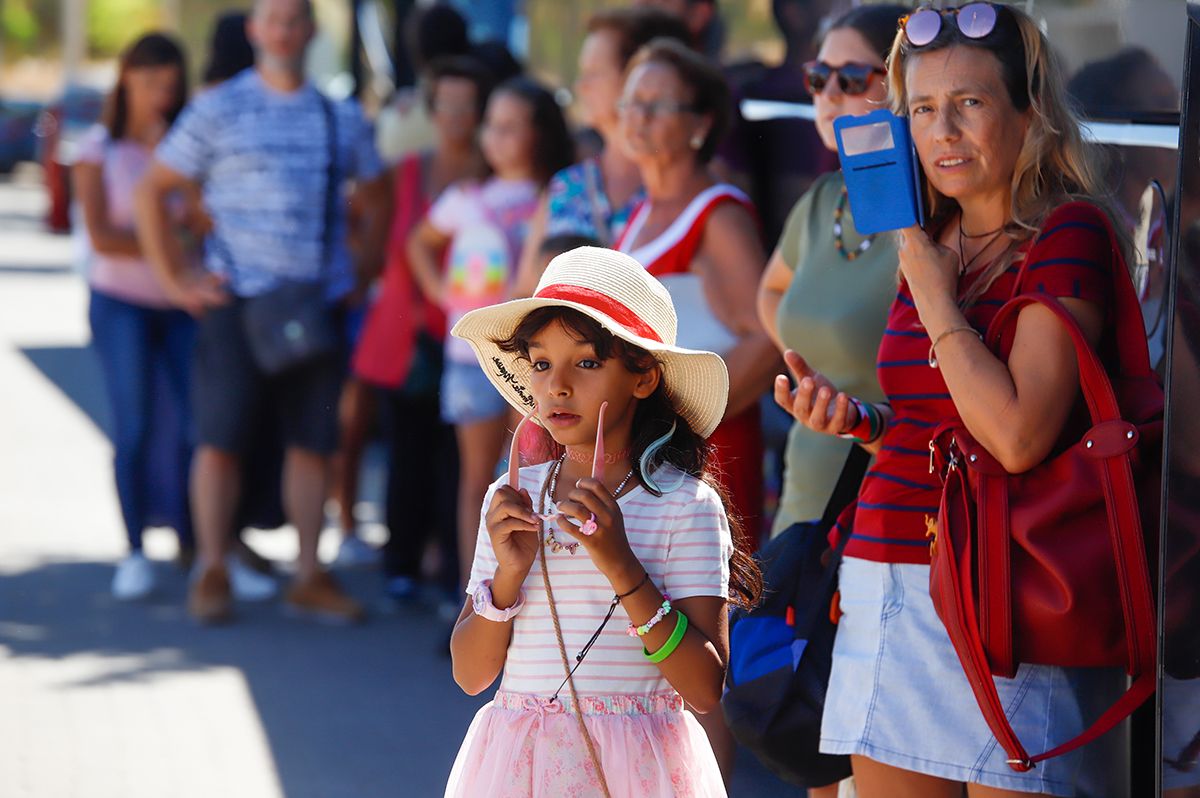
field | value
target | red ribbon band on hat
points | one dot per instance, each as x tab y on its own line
604	303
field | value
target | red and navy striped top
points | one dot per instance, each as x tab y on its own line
1071	257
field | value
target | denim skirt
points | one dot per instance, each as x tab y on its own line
898	694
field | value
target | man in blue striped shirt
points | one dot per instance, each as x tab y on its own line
263	147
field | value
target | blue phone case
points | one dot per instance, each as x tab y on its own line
882	173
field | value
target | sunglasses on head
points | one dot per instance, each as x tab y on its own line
975	20
853	79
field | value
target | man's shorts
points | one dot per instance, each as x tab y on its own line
232	397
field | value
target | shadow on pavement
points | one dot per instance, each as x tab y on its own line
363	711
75	371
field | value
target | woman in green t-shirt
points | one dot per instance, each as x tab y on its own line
826	290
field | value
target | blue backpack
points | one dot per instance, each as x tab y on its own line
781	650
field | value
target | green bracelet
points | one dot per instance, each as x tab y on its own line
672	642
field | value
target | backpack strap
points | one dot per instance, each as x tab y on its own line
845	494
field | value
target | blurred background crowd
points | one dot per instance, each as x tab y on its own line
477	141
422	75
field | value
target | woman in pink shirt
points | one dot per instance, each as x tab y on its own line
143	343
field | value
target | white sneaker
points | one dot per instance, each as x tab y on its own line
246	584
134	578
354	552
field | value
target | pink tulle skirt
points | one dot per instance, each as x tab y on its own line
524	746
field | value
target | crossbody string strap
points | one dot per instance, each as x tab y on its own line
562	649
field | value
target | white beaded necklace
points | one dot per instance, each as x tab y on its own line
549	511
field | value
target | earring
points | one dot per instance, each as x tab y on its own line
697	141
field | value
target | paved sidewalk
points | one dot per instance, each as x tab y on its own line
101	699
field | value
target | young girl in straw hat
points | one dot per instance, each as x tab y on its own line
601	577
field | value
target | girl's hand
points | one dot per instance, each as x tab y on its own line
816	402
608	546
930	269
513	529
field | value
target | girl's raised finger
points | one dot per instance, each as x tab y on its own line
510	509
593	494
573	509
511	524
570	529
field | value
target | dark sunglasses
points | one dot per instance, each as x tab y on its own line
853	79
975	20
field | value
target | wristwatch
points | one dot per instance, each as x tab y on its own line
483	606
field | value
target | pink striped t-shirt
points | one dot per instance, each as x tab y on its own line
683	540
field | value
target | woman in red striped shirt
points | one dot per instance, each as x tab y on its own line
1009	185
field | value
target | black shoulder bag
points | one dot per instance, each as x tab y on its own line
781	651
292	324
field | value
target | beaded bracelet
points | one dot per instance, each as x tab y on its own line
662	612
672	642
869	426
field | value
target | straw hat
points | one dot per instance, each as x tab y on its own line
616	291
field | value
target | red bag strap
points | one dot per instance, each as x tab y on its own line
1124	519
1125	529
968	644
1093	379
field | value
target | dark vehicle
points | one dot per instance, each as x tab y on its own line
18	142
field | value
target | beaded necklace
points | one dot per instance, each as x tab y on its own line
549	511
838	243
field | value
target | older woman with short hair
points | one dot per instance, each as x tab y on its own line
1005	166
701	239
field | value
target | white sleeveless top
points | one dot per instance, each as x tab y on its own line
668	257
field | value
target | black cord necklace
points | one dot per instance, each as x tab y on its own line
977	235
964	264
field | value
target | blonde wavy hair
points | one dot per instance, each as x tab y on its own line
1054	165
